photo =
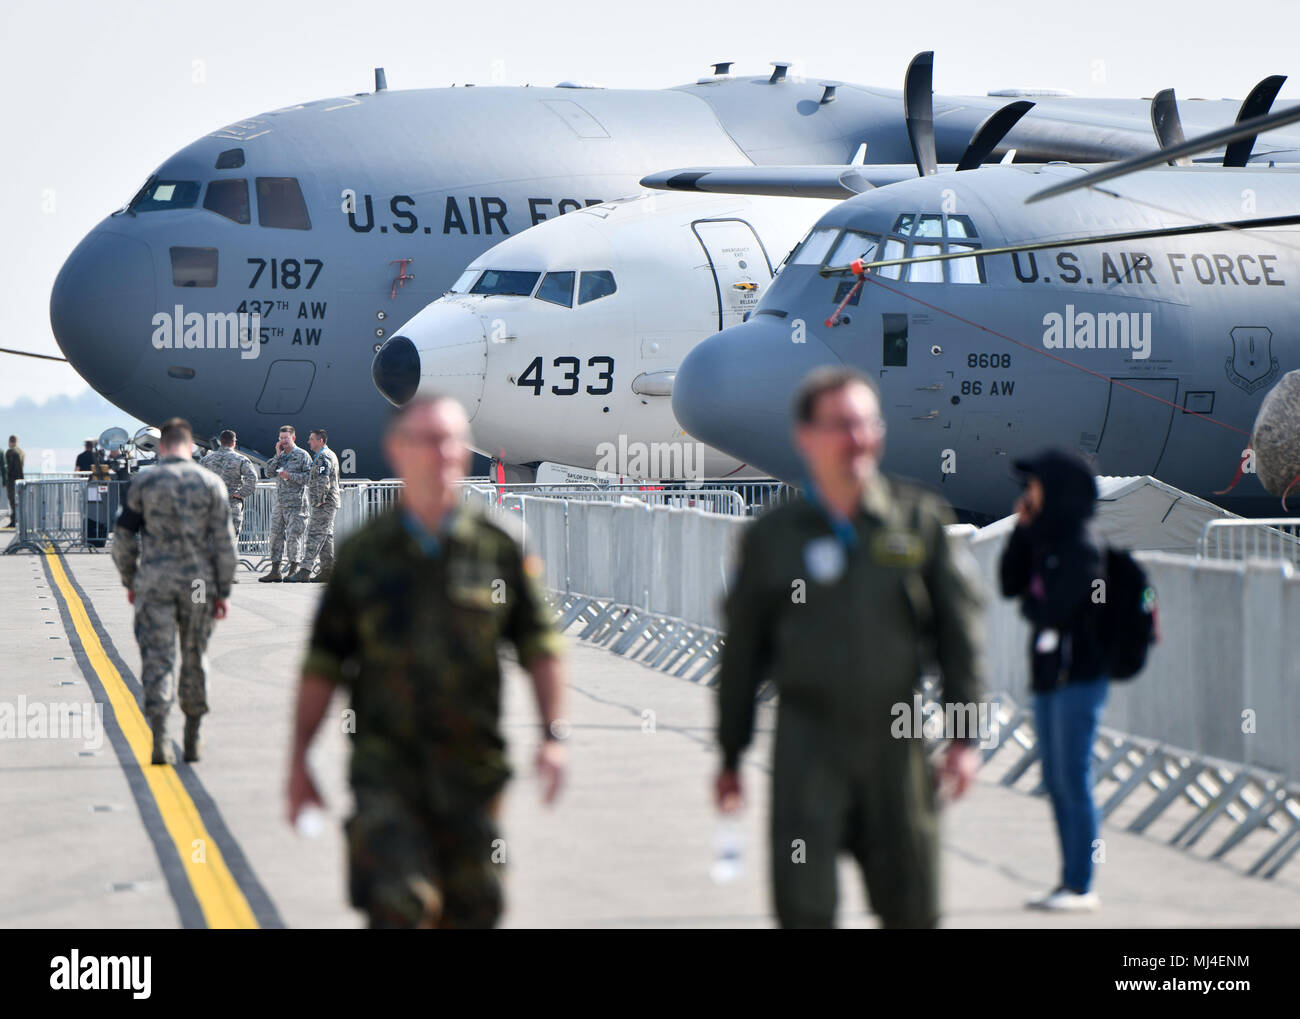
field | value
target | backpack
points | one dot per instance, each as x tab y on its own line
1130	618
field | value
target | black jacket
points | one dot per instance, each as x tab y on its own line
1052	567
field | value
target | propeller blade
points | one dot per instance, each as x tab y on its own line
1258	103
28	353
1212	140
1069	242
993	130
918	108
1168	125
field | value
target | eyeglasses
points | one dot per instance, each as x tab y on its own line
871	424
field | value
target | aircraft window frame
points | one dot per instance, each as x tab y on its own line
465	281
797	257
486	287
246	208
144	200
956	269
273	212
908	230
602	276
838	259
567	302
892	247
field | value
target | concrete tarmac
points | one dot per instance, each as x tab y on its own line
91	841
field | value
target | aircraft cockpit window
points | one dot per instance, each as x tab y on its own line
280	204
893	249
462	285
814	248
557	288
853	245
595	285
228	198
934	234
165	194
929	226
506	283
231	159
961	226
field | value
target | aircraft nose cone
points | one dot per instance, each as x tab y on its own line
102	308
734	391
396	370
441	351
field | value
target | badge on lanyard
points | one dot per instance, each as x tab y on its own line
824	559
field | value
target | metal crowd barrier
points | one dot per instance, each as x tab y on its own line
1267	538
67	514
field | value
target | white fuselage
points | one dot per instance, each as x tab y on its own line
588	382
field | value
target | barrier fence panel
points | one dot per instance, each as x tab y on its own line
1235	538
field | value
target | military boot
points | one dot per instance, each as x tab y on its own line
303	576
162	747
322	577
273	577
192	742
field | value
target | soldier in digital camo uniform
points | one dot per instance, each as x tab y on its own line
175	551
323	501
236	470
289	467
409	624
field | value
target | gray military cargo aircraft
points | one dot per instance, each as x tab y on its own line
253	277
1141	323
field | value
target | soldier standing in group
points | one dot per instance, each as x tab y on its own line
836	596
409	624
177	575
14	458
290	467
323	501
236	470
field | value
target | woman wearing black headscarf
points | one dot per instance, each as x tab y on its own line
1056	572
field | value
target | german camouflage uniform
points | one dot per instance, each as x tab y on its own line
841	622
323	501
410	623
236	470
182	562
289	518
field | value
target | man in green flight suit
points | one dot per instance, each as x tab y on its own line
840	598
409	624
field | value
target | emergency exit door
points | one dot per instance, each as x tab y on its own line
1136	428
741	270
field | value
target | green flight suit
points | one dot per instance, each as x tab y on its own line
843	625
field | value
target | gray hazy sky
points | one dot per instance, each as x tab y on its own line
100	93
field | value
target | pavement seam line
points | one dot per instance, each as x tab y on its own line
220	898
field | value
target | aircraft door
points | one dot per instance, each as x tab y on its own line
1136	429
739	263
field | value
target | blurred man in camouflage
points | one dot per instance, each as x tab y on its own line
236	470
409	624
323	501
290	467
175	551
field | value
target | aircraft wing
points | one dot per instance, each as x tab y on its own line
833	181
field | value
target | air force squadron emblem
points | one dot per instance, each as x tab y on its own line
1252	365
824	560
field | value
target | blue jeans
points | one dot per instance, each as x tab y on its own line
1066	720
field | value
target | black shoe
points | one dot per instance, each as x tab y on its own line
192	742
273	577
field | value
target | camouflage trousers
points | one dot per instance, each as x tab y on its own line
158	623
236	518
320	538
410	869
287	524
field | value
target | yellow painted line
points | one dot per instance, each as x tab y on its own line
223	904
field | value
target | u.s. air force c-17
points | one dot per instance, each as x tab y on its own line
1142	322
326	223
